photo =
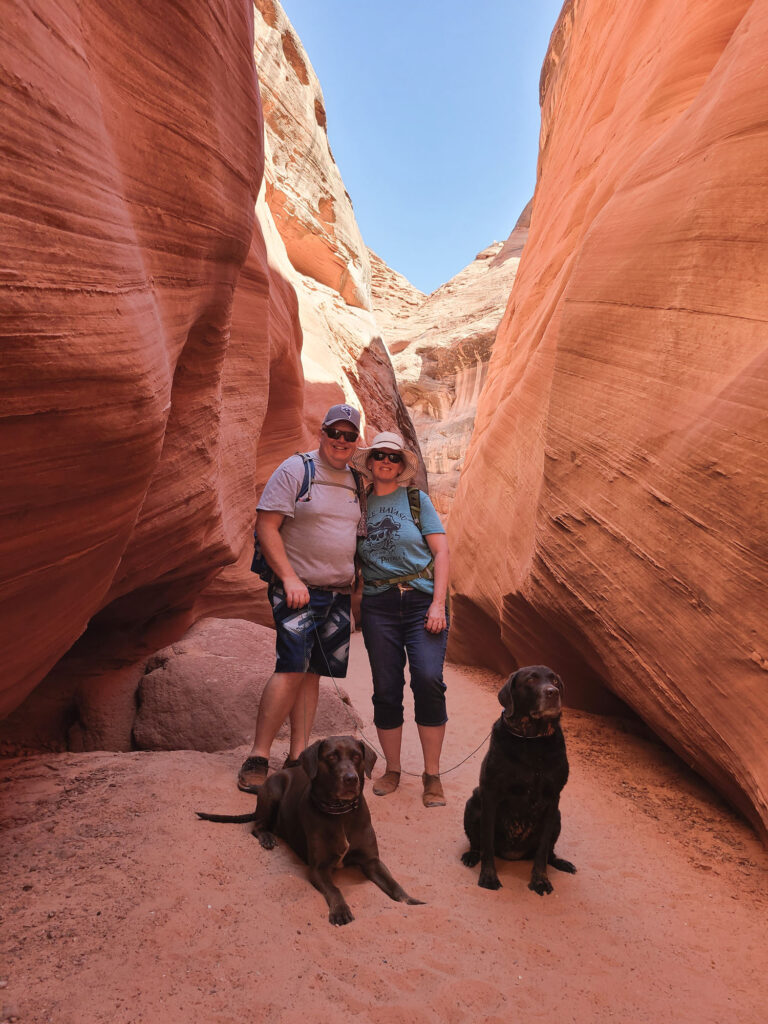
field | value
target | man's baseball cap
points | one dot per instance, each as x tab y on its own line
337	413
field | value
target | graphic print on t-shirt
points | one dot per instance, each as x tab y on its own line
382	535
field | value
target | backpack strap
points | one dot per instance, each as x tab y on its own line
305	491
414	504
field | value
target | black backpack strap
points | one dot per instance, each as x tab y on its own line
414	504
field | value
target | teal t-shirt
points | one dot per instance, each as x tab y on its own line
395	546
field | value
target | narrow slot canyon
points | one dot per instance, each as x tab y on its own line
186	290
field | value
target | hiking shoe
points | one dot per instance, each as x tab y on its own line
433	795
253	773
291	762
388	783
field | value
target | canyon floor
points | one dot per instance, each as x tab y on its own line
119	905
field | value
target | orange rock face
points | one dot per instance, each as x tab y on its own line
132	389
160	300
441	346
618	462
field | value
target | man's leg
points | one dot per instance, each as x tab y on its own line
303	714
284	694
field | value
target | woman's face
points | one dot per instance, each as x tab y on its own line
384	470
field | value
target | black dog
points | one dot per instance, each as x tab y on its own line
319	809
514	813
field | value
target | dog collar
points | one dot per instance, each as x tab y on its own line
523	736
335	806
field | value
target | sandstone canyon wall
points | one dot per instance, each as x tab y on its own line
151	322
620	443
133	158
315	240
441	346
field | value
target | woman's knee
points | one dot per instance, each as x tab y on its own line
387	714
429	698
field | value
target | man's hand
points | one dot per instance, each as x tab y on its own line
296	593
435	618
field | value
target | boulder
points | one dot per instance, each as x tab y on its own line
203	692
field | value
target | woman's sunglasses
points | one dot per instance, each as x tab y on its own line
392	456
337	435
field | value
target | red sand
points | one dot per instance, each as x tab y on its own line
119	905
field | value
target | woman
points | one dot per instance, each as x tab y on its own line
405	581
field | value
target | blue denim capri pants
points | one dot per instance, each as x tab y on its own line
393	627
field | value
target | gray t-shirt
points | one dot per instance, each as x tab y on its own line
320	534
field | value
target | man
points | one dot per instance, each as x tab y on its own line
309	544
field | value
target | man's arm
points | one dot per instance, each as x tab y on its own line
268	531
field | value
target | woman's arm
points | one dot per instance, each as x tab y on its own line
438	545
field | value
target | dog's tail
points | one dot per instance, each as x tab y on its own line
236	819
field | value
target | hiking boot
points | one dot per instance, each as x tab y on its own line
253	773
290	762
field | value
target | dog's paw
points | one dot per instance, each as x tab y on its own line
489	881
267	840
563	865
413	902
540	884
470	858
341	915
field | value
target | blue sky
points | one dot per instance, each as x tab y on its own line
433	118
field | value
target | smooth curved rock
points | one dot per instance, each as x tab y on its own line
621	436
133	159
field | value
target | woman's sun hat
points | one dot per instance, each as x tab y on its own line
387	441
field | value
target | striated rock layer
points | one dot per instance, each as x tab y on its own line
151	323
131	397
314	240
441	346
620	444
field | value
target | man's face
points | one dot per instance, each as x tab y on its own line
337	451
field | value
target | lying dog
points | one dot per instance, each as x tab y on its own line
319	809
514	813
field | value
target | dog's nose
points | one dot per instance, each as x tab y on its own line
551	691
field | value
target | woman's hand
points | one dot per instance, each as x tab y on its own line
434	621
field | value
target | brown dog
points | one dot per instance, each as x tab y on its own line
319	809
515	811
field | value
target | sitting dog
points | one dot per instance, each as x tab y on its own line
514	813
319	809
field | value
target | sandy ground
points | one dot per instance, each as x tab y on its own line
119	905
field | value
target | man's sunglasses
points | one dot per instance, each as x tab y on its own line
337	435
392	456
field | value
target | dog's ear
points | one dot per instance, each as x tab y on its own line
506	698
369	757
308	758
